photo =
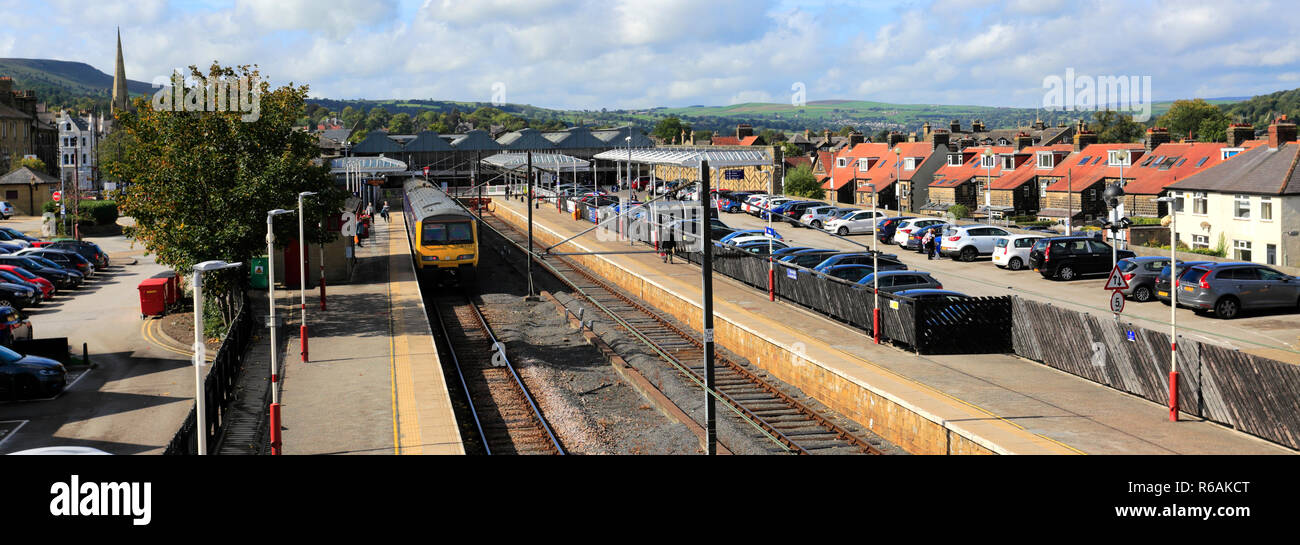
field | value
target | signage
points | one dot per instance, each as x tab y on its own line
769	232
1116	280
733	174
1132	337
426	171
893	304
57	196
1117	302
791	274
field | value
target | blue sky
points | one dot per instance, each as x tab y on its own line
635	54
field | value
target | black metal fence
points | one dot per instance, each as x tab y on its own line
218	386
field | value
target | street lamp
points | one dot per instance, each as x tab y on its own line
302	275
875	268
988	176
270	284
897	180
200	353
1173	308
629	157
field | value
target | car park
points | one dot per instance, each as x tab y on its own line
772	204
968	242
1229	288
744	232
808	258
791	212
18	296
815	216
915	238
892	281
745	239
1066	258
905	228
19	234
59	277
759	247
790	250
1141	273
886	227
44	290
61	258
748	206
6	236
15	325
48	288
1162	280
848	273
1012	251
862	221
88	250
730	202
25	377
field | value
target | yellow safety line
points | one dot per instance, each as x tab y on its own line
147	331
392	363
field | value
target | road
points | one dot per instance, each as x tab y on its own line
1274	334
136	397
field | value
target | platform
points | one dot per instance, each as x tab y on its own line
373	384
986	403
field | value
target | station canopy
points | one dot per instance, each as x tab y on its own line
367	165
518	161
688	157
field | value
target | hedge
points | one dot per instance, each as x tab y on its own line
95	212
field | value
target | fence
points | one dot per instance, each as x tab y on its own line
219	385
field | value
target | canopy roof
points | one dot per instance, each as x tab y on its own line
367	165
541	161
688	157
525	139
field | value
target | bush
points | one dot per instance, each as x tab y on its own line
92	212
959	211
1035	223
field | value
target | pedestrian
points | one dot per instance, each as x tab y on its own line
668	245
928	242
383	212
934	247
370	209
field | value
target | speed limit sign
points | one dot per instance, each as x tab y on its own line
1117	302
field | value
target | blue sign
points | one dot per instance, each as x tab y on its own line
1132	337
769	231
791	274
733	174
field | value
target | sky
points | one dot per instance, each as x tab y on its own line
619	54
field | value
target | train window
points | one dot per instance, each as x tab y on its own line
447	233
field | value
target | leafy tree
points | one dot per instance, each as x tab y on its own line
670	129
846	130
400	124
1213	129
202	182
33	163
703	135
426	120
959	211
351	116
1191	116
772	136
790	150
377	119
1115	128
800	182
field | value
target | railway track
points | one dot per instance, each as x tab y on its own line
787	422
505	414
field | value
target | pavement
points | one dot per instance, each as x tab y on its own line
1008	401
374	384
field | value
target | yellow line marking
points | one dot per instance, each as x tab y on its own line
392	363
147	330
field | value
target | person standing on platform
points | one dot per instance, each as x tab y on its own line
927	242
383	212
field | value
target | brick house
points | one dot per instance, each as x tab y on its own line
964	174
1020	192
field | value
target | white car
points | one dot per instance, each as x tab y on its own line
815	216
756	204
755	238
905	228
970	241
6	209
862	221
772	203
1013	252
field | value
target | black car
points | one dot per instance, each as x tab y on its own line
59	277
69	260
795	211
809	258
88	250
19	296
885	228
24	377
1068	257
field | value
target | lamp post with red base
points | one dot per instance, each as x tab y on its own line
302	275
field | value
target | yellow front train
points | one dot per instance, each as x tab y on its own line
443	235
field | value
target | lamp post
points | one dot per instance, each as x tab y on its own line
270	286
1173	307
302	275
875	267
629	157
988	175
199	351
771	240
898	182
321	226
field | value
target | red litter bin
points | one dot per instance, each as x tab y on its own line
173	286
153	297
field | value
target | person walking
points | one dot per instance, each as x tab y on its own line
928	242
668	245
383	212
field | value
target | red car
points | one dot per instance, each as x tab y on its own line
47	288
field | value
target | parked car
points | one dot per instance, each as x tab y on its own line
19	234
905	228
23	377
760	247
746	239
1229	288
748	206
6	236
970	241
770	205
1012	252
1066	258
808	258
886	227
18	296
817	215
849	273
862	221
743	232
41	289
1141	274
790	250
1162	280
59	277
64	259
888	262
915	238
791	212
892	281
88	250
6	210
730	202
932	295
47	288
17	325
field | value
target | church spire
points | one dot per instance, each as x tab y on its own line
121	100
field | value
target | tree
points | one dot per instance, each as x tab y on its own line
790	150
1115	128
669	129
426	120
32	163
111	149
800	182
400	124
377	118
351	116
772	136
847	130
703	135
202	182
1193	116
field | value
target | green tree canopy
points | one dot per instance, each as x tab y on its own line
401	124
202	182
29	162
670	129
1193	116
790	150
377	118
1115	128
800	182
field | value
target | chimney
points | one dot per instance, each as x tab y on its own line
895	138
955	126
807	133
925	131
1157	136
744	130
977	126
826	137
855	138
911	137
1083	139
6	90
1238	133
965	142
1038	124
1280	132
940	139
1023	140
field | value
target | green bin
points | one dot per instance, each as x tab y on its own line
258	272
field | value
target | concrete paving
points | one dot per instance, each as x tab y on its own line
1015	404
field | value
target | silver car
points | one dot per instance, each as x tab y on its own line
1229	288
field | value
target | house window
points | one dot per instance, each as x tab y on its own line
1242	249
1241	207
909	163
1178	201
11	194
1120	157
1228	152
83	141
1266	208
1201	162
1026	189
1270	254
1046	160
1200	241
954	160
1200	203
1008	162
988	161
864	164
842	162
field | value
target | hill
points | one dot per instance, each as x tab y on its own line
1259	111
65	83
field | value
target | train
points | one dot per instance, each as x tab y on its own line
443	234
